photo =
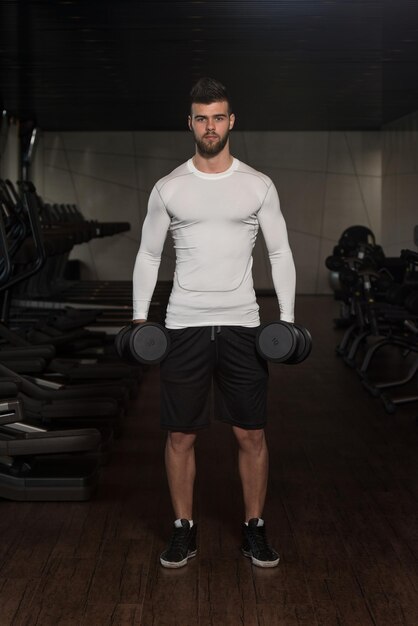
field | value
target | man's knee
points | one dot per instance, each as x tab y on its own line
250	440
181	441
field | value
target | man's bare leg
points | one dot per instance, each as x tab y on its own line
181	471
253	469
253	463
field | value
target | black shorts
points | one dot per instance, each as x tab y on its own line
225	355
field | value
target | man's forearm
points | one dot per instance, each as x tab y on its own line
144	281
284	281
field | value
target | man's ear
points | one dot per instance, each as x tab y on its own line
231	121
189	122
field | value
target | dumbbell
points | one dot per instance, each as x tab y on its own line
147	343
281	342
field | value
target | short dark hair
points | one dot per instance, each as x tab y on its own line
208	90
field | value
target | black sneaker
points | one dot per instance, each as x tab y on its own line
255	544
182	546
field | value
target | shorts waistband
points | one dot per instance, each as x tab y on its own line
214	329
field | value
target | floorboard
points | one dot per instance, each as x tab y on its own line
342	509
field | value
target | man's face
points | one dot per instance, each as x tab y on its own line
210	124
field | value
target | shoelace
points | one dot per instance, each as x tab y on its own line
258	536
178	537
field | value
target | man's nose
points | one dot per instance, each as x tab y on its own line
210	125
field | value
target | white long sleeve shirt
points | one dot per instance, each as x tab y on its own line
214	220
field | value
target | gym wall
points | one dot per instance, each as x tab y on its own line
400	184
9	157
326	182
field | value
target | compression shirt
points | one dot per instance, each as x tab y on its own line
213	220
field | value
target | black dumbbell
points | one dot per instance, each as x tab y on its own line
281	342
147	343
121	342
303	347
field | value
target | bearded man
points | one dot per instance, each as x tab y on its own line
213	206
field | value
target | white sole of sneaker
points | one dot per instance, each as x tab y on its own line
176	565
258	563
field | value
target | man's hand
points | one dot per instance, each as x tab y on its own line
138	321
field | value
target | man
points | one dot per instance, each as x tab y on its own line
213	205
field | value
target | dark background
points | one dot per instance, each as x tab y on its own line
289	65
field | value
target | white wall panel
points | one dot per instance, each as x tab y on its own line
110	175
371	191
344	205
305	251
366	152
407	206
390	218
301	198
165	145
107	202
114	257
238	142
400	184
339	158
295	150
53	141
59	186
56	158
100	142
322	279
37	171
151	169
84	254
114	168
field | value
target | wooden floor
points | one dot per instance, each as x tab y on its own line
342	510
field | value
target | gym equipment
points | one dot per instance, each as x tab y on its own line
121	344
281	342
147	343
379	297
304	346
41	465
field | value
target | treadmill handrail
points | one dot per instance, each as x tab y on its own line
7	268
41	256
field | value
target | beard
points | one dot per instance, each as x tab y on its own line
209	149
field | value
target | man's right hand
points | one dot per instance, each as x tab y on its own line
138	321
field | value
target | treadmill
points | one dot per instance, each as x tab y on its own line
39	465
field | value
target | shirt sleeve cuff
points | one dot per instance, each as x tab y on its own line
287	318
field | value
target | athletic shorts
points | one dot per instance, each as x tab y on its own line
224	356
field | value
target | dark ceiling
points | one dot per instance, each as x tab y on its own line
288	64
